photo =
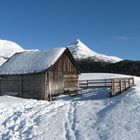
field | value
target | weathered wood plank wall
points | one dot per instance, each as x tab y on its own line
10	85
27	86
62	75
33	86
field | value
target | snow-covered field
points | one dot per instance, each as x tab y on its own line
92	116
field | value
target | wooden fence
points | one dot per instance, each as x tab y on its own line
117	85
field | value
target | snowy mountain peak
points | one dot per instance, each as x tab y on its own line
80	43
81	51
7	49
82	46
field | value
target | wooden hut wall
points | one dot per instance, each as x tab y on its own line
62	75
33	86
71	81
27	86
10	85
70	74
55	83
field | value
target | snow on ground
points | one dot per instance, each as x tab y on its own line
92	116
91	76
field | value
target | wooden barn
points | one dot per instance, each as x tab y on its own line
39	74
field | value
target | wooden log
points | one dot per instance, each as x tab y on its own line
129	83
125	85
105	83
133	82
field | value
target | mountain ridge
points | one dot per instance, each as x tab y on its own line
80	51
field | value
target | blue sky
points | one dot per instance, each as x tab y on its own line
111	27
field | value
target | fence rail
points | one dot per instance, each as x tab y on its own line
117	85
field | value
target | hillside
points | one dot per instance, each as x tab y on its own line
7	49
128	67
90	116
90	61
81	52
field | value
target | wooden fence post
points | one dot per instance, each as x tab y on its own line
113	87
124	84
132	81
120	84
105	82
128	82
87	83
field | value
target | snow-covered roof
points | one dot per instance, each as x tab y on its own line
31	61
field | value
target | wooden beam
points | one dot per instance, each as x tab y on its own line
132	81
129	83
113	87
87	83
125	84
105	83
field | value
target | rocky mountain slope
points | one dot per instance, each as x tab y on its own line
80	51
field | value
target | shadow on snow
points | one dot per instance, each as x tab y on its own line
88	94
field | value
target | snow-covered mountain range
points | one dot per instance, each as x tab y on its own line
78	49
81	51
7	49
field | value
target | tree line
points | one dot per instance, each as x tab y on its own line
123	67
